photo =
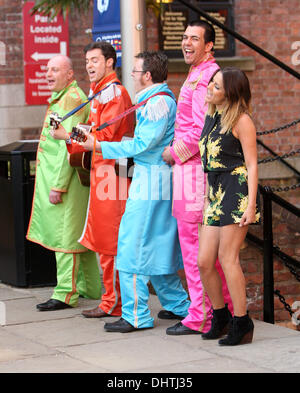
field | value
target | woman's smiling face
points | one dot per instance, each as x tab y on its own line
215	90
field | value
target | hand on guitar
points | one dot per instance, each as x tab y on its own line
54	120
82	135
57	131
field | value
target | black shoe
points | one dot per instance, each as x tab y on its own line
52	305
240	331
165	314
121	326
179	330
219	324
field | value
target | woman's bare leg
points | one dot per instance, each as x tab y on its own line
207	255
230	242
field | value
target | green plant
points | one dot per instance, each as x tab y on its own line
52	8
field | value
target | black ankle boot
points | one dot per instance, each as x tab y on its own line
240	331
219	324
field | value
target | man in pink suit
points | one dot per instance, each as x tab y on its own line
189	178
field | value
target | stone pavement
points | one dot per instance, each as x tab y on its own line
66	342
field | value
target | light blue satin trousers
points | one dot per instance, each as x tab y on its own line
135	296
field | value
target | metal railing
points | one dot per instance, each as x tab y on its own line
269	250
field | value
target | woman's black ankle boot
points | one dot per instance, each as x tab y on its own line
240	331
219	324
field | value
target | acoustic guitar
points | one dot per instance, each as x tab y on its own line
123	166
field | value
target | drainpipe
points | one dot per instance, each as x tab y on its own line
133	30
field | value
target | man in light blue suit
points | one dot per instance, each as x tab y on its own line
148	245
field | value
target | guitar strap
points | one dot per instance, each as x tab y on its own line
125	113
73	111
130	110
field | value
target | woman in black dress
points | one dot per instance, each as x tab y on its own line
229	156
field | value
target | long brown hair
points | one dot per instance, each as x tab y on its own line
237	94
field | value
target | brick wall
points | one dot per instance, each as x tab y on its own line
274	26
11	33
78	40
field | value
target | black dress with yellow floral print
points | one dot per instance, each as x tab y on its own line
223	160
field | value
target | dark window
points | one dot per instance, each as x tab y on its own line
175	17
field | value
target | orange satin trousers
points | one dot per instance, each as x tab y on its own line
111	298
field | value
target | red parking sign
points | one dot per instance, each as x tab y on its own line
43	39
